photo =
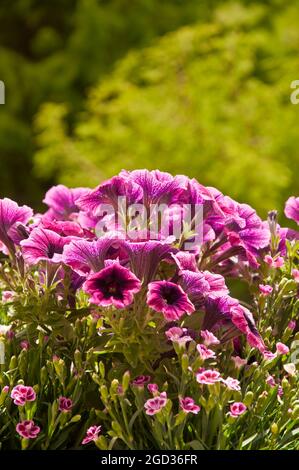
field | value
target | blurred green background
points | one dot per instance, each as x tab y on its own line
200	87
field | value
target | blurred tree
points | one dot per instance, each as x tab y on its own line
211	100
54	50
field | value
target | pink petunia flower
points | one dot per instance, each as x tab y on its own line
209	338
22	394
265	289
237	409
282	348
25	345
292	325
204	352
65	404
232	384
7	296
270	381
208	377
177	335
292	208
62	201
295	274
28	429
153	389
92	434
44	245
188	405
269	356
154	405
269	260
170	299
141	380
274	262
278	262
238	361
10	215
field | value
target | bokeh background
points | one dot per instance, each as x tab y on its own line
200	87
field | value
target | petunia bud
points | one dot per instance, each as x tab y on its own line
285	384
274	428
23	363
78	328
102	369
185	363
13	362
102	443
78	359
75	419
104	393
126	381
295	412
3	394
117	428
43	376
114	388
248	399
59	366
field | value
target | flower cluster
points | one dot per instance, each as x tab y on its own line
126	259
118	313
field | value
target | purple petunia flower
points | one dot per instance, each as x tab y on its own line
62	201
10	215
44	245
146	256
92	434
27	429
284	235
227	311
113	285
109	192
169	299
185	261
158	187
84	256
195	285
63	227
292	209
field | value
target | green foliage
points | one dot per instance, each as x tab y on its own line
82	354
211	100
54	50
